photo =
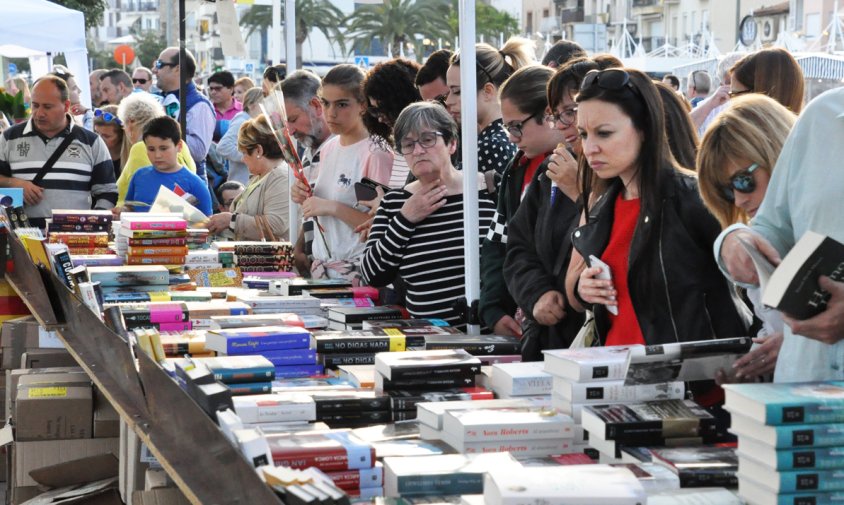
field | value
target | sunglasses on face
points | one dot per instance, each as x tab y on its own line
611	79
108	117
516	128
161	64
138	80
426	139
743	182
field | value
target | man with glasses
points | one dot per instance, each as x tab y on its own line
226	106
430	80
142	79
81	177
115	85
200	119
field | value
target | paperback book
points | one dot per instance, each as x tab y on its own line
665	419
257	339
396	366
328	451
797	403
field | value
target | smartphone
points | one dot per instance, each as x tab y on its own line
366	189
605	274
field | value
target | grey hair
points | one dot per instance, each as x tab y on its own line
140	108
421	116
300	87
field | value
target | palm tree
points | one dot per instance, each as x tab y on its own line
321	15
489	22
399	22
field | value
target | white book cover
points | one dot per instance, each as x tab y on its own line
696	496
564	485
617	391
516	448
520	379
278	303
589	364
431	413
273	408
567	407
654	477
522	423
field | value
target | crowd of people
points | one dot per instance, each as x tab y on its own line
608	200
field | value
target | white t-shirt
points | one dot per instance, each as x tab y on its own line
339	169
400	170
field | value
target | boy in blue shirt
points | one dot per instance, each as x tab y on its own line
162	137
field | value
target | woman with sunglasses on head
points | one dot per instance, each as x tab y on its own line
735	163
418	230
136	111
346	158
110	128
523	106
645	221
538	235
493	67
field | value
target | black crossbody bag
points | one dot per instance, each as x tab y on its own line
55	156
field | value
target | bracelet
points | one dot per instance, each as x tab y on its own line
233	222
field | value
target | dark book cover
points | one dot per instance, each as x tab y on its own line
350	401
477	345
268	248
356	315
426	383
78	227
348	342
397	366
334	360
701	466
666	419
407	400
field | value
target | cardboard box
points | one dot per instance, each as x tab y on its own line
106	418
54	407
103	492
13	378
47	358
166	496
156	478
28	456
19	333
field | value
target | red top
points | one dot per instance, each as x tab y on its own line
624	328
532	165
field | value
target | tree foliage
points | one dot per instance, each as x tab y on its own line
490	22
149	45
399	22
92	9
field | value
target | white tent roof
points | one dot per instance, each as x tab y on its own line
42	27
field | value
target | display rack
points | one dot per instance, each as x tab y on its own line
204	464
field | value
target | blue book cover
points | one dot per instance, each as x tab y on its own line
789	436
803	458
10	198
122	297
791	481
250	388
239	369
798	403
294	371
256	340
288	357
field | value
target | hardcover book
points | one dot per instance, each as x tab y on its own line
396	366
797	403
506	424
666	419
255	340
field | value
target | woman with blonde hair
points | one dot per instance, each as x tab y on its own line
735	162
262	210
493	67
228	145
136	111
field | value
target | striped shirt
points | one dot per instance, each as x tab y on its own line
82	178
428	255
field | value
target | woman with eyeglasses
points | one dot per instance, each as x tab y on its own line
136	111
538	235
331	208
110	128
418	230
735	162
773	72
493	67
645	223
523	106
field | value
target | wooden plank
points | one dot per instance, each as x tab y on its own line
26	280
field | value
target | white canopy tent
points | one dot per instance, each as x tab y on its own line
42	29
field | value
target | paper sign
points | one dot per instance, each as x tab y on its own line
49	339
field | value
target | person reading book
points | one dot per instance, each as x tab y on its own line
162	137
735	163
645	220
804	194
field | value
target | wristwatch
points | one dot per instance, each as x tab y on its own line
233	221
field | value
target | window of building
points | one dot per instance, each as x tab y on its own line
813	25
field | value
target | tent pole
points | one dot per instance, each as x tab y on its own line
183	110
290	43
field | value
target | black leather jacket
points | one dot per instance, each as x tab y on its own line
678	292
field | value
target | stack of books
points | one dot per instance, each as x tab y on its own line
359	347
198	238
259	256
152	240
352	409
352	317
202	259
161	316
85	232
336	452
243	375
287	348
520	379
580	484
790	441
263	303
416	376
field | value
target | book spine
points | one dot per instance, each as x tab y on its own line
821	458
157	251
477	348
63	267
262	249
801	481
254	388
155	260
359	318
525	386
708	478
81	218
335	360
243	375
326	459
358	418
291	357
802	413
297	371
154	234
259	259
822	435
404	415
457	483
354	345
327	405
158	225
79	227
428	384
463	370
156	242
252	345
356	479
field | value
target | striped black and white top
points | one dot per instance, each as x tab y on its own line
428	255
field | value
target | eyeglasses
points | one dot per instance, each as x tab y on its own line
611	79
743	182
108	117
161	64
734	94
215	89
565	118
426	139
440	99
138	80
516	128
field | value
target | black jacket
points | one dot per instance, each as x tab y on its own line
496	301
538	253
678	292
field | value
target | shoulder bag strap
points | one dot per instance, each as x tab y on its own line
55	156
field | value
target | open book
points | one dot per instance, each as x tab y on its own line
792	287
